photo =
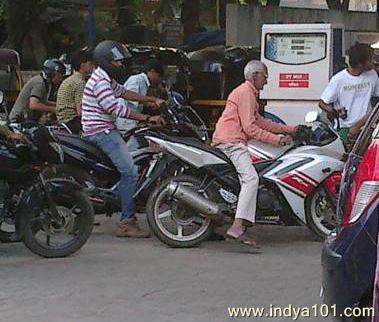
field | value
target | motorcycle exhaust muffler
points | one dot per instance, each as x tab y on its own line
193	199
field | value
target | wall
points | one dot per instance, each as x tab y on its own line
243	23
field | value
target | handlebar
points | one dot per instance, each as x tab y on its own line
142	127
302	135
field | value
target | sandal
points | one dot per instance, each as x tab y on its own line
243	239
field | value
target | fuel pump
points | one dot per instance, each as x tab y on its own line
301	58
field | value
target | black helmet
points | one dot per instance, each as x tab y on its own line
52	66
107	51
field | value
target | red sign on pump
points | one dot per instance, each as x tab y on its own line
293	80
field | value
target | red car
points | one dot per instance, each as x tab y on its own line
349	255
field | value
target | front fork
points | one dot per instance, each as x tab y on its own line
47	191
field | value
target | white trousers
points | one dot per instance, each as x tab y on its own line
248	177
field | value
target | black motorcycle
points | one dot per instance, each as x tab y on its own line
90	167
52	216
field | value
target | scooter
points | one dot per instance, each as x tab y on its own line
298	184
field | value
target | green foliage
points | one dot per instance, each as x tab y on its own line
2	10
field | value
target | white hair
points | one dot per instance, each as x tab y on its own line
252	67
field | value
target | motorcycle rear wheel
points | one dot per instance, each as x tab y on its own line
182	217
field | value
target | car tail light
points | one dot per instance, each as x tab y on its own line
365	186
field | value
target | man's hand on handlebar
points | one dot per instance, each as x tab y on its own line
157	103
18	137
285	140
302	133
297	129
157	119
152	105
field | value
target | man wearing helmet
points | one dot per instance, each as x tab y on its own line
33	99
100	107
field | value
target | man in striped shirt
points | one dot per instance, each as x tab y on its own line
100	107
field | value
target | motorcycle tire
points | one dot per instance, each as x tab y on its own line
83	227
156	227
312	206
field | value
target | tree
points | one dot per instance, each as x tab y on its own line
190	16
25	27
273	3
3	33
41	28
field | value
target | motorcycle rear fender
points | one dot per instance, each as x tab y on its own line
195	157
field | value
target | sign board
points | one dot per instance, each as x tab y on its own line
288	80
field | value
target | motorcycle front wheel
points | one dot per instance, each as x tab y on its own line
175	223
320	213
47	238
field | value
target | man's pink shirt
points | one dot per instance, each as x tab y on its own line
241	120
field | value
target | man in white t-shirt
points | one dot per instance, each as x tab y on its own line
349	92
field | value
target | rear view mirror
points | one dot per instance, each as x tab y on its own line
311	117
1	97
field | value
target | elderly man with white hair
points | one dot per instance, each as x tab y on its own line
239	123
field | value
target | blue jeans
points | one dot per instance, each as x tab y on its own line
132	144
113	145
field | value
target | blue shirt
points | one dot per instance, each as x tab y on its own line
139	84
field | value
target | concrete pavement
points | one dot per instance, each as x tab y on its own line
113	279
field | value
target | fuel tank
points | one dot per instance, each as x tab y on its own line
260	151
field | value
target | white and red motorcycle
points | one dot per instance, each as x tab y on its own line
298	184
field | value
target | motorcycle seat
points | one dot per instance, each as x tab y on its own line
259	167
89	148
196	143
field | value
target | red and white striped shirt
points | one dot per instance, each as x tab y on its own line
100	106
